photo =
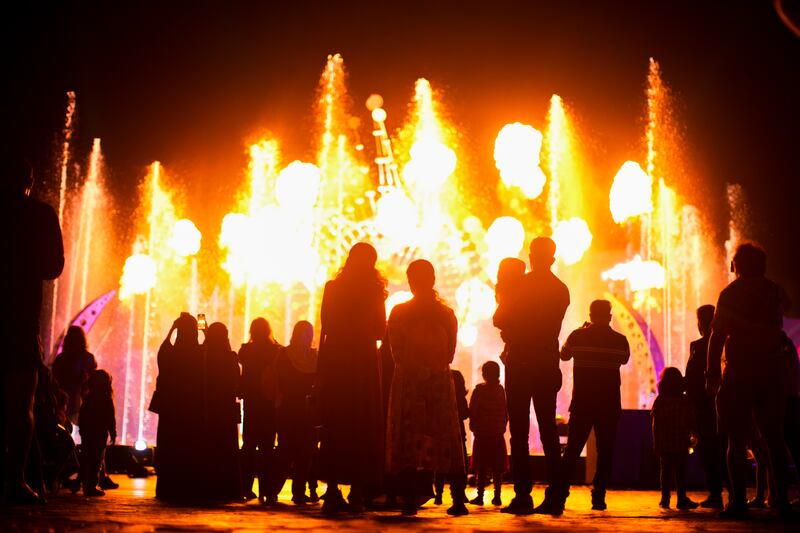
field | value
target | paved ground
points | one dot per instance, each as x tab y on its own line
132	508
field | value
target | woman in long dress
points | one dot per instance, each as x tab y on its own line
177	400
353	319
297	371
258	390
221	438
423	430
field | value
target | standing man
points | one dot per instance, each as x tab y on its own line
748	325
709	444
598	351
33	252
530	325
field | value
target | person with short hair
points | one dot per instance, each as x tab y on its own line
709	444
597	352
530	325
33	251
748	325
672	431
488	418
97	423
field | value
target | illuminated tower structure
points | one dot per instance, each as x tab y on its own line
388	176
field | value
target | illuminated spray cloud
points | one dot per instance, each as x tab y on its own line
293	221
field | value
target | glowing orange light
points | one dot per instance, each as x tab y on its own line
640	275
185	238
631	193
517	151
572	238
138	275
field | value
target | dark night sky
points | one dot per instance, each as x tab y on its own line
188	83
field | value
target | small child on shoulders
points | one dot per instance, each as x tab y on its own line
510	273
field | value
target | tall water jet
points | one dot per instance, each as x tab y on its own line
62	199
565	185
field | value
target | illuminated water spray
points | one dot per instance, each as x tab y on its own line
62	198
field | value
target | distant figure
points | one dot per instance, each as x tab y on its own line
510	274
53	432
297	371
178	401
258	389
32	252
423	430
598	352
791	426
530	326
748	324
353	319
72	367
709	444
672	431
460	387
97	423
488	419
222	416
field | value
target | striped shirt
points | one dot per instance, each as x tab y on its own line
598	351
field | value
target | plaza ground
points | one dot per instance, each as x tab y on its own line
132	508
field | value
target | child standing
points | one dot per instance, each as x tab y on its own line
672	422
96	422
487	421
510	274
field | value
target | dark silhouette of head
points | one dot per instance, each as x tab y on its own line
17	175
542	253
750	260
216	340
600	312
362	258
75	340
359	269
705	314
261	331
186	327
671	382
421	278
302	334
491	372
509	270
99	384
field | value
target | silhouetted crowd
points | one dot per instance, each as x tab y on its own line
377	407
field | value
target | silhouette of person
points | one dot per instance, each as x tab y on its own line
510	274
353	319
178	401
33	252
220	433
709	444
488	418
297	370
597	352
423	429
530	325
748	324
258	389
97	423
791	426
672	431
72	367
460	387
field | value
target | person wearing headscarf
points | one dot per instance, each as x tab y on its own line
353	319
